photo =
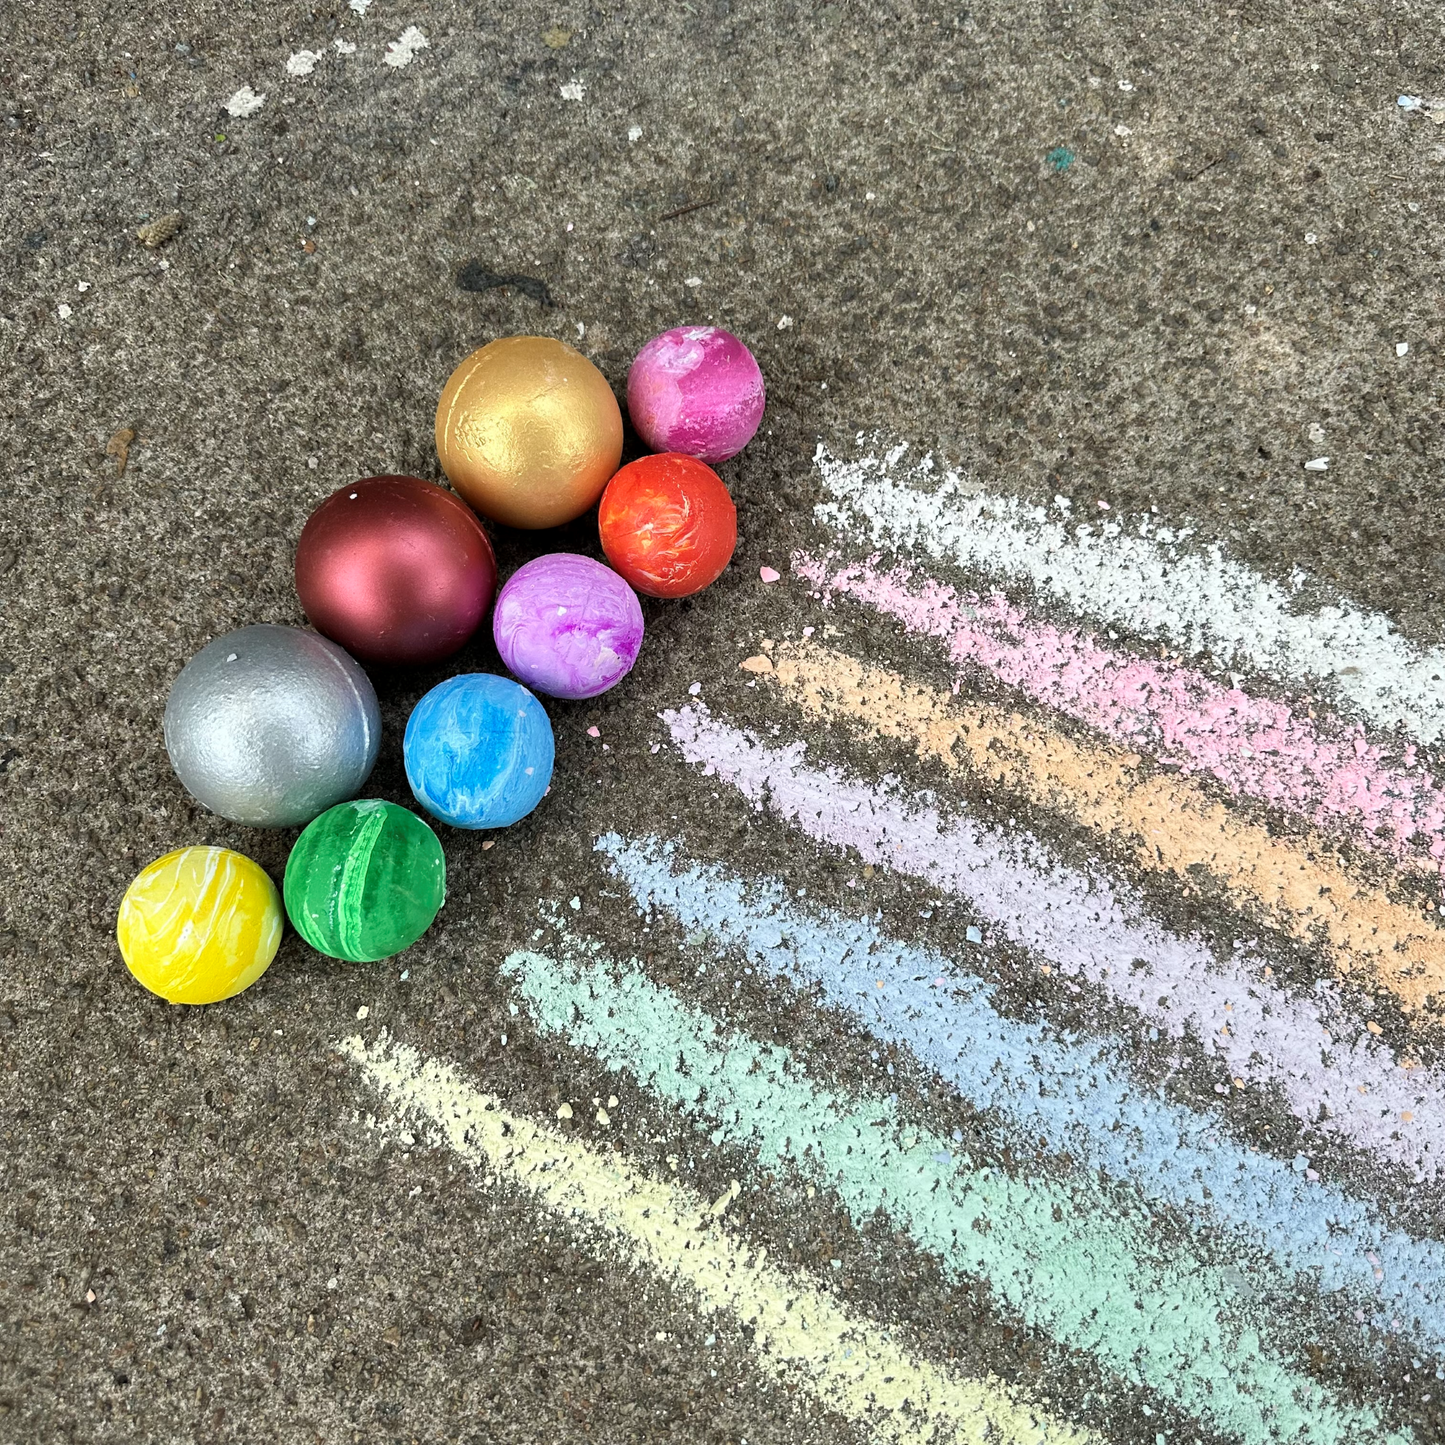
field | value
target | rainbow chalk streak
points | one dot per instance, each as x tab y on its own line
1091	927
1063	1258
1326	771
1079	1097
1141	580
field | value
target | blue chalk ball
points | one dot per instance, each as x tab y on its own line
478	751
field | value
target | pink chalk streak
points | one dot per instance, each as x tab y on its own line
1326	770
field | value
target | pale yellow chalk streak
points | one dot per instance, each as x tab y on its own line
801	1336
1170	822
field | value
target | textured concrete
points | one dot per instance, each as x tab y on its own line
1133	253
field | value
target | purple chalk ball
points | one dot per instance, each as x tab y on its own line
568	626
697	390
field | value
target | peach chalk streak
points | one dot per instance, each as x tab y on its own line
1327	771
1169	822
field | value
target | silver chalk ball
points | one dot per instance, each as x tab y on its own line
272	725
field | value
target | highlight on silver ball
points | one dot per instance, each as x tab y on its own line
270	726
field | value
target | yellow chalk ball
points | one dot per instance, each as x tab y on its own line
199	925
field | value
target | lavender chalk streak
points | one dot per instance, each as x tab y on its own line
1082	924
1079	1097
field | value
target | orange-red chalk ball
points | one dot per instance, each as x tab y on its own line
668	525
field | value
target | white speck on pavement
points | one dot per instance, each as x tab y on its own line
245	102
403	50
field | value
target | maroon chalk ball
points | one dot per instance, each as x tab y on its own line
396	570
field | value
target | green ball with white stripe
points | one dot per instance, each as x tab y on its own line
364	881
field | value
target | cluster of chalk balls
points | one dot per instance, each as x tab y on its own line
278	727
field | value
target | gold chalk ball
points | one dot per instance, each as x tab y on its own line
528	431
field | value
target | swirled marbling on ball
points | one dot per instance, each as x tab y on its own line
478	751
271	725
697	390
668	525
364	881
568	626
199	925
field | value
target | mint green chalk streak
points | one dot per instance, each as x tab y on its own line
350	893
1064	1263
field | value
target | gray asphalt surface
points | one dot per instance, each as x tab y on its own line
199	1238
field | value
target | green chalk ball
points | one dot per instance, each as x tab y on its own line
364	881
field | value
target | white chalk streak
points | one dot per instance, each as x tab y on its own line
1143	579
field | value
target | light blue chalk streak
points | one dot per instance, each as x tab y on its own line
1077	1096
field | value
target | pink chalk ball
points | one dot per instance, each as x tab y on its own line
696	390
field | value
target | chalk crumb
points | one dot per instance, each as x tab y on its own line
770	574
403	50
634	134
756	664
721	1203
245	102
564	1111
362	1012
344	47
303	62
573	90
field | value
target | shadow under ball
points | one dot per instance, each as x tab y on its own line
528	432
270	726
395	569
